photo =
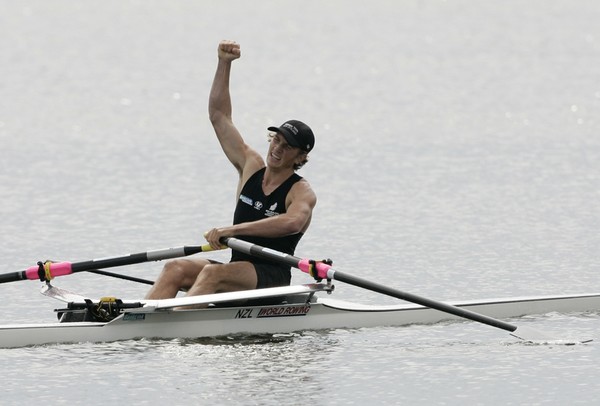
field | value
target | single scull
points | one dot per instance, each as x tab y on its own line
283	310
262	311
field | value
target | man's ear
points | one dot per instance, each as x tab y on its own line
302	156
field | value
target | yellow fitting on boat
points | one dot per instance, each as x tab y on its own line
108	299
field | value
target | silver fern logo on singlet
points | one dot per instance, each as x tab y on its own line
271	212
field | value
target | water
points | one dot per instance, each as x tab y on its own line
457	157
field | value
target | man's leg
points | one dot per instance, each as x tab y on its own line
176	274
217	278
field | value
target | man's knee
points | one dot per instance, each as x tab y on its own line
173	268
181	270
211	272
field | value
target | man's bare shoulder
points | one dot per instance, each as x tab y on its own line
253	163
303	190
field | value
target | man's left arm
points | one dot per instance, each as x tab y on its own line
300	204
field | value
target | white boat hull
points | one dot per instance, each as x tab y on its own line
325	313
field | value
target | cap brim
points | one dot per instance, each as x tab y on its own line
287	135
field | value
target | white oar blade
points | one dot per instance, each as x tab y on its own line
61	294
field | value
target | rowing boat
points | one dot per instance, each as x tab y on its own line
262	311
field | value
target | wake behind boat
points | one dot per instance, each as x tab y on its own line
262	311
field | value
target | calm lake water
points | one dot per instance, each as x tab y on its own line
457	157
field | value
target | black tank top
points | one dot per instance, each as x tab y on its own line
254	205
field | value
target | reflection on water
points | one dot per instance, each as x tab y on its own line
327	367
239	339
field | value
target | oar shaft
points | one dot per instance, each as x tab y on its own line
65	268
149	256
325	271
261	252
12	277
423	301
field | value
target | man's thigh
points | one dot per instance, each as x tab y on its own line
234	276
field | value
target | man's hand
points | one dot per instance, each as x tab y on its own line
213	237
229	50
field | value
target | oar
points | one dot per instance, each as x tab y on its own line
49	270
325	271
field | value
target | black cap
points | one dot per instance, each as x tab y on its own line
297	134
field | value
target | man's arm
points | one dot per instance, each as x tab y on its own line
220	112
296	219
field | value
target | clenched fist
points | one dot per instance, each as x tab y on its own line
229	50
